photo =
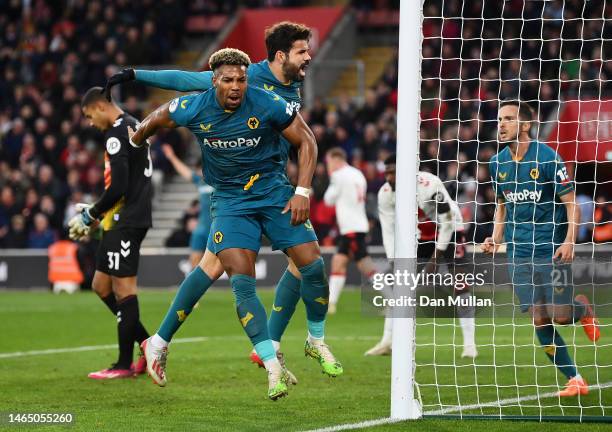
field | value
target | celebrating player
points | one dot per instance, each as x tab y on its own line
347	192
536	214
125	210
282	72
199	236
439	208
238	128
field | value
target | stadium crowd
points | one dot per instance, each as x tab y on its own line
472	59
50	158
50	54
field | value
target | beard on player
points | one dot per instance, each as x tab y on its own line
293	71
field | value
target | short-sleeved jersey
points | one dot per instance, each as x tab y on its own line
436	203
134	208
386	216
205	191
536	220
347	192
258	74
241	149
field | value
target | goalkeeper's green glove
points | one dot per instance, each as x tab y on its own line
125	75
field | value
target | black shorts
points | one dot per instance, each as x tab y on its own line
353	245
454	259
119	251
455	250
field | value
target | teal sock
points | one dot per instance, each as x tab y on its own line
286	298
193	287
315	294
251	312
316	329
265	350
556	350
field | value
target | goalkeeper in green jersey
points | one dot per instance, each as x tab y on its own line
538	218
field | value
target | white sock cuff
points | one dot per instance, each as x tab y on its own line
313	339
158	342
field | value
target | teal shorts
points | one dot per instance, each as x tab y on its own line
539	281
199	238
245	231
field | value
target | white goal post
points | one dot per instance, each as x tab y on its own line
564	73
403	403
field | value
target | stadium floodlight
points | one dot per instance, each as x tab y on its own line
460	60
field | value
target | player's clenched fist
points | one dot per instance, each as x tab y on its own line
489	245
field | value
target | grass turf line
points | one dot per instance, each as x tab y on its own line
212	385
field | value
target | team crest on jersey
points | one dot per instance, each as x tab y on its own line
253	123
534	173
502	175
218	237
113	145
205	128
268	87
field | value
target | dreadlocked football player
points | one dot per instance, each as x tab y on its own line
287	46
238	128
124	212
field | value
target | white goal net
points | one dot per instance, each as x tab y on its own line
556	56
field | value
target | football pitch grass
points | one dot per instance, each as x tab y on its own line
49	343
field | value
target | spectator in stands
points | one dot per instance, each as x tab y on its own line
46	153
371	109
180	237
17	235
370	143
8	206
602	230
41	235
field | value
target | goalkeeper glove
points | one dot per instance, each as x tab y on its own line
125	75
77	230
79	224
85	211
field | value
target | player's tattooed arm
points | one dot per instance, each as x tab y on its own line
300	136
565	252
158	119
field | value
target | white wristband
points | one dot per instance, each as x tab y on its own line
302	191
